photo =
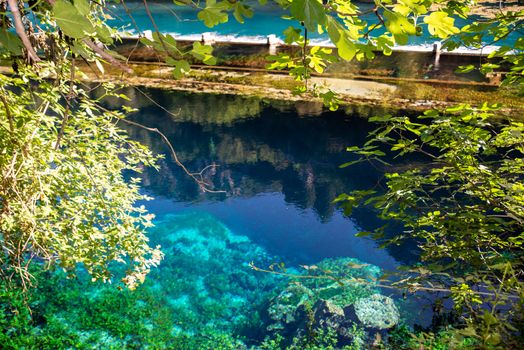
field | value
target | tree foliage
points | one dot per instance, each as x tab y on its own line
63	198
63	195
463	206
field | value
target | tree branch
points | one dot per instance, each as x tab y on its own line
104	55
197	177
19	27
7	112
68	105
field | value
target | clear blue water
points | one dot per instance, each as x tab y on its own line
279	167
183	21
280	172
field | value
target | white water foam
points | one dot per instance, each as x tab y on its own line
260	39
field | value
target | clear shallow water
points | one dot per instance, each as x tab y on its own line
183	22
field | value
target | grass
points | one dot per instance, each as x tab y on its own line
471	94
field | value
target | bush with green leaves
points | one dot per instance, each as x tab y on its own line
464	206
63	197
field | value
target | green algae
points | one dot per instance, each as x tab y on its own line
203	293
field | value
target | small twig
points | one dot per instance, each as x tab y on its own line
386	286
7	112
19	27
197	177
128	12
156	103
148	11
304	51
210	166
379	16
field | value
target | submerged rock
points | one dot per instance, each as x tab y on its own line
377	311
328	315
205	276
283	309
342	281
319	302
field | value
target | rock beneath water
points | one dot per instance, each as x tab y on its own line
348	280
320	302
206	281
283	309
377	311
327	314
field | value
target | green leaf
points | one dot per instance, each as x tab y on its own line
203	53
83	7
213	14
104	34
241	11
181	67
311	12
340	37
71	21
400	26
440	24
292	34
345	165
363	234
11	42
385	44
465	69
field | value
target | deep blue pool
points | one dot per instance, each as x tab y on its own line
278	165
279	171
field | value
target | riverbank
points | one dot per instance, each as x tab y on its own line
387	93
360	93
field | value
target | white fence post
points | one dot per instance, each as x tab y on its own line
272	42
437	47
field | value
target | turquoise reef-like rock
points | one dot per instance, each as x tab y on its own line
377	311
342	281
283	309
206	276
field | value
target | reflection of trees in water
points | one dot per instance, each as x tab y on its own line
272	150
256	148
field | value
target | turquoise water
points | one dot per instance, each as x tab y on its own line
279	167
183	22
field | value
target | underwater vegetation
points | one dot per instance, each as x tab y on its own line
205	295
203	292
